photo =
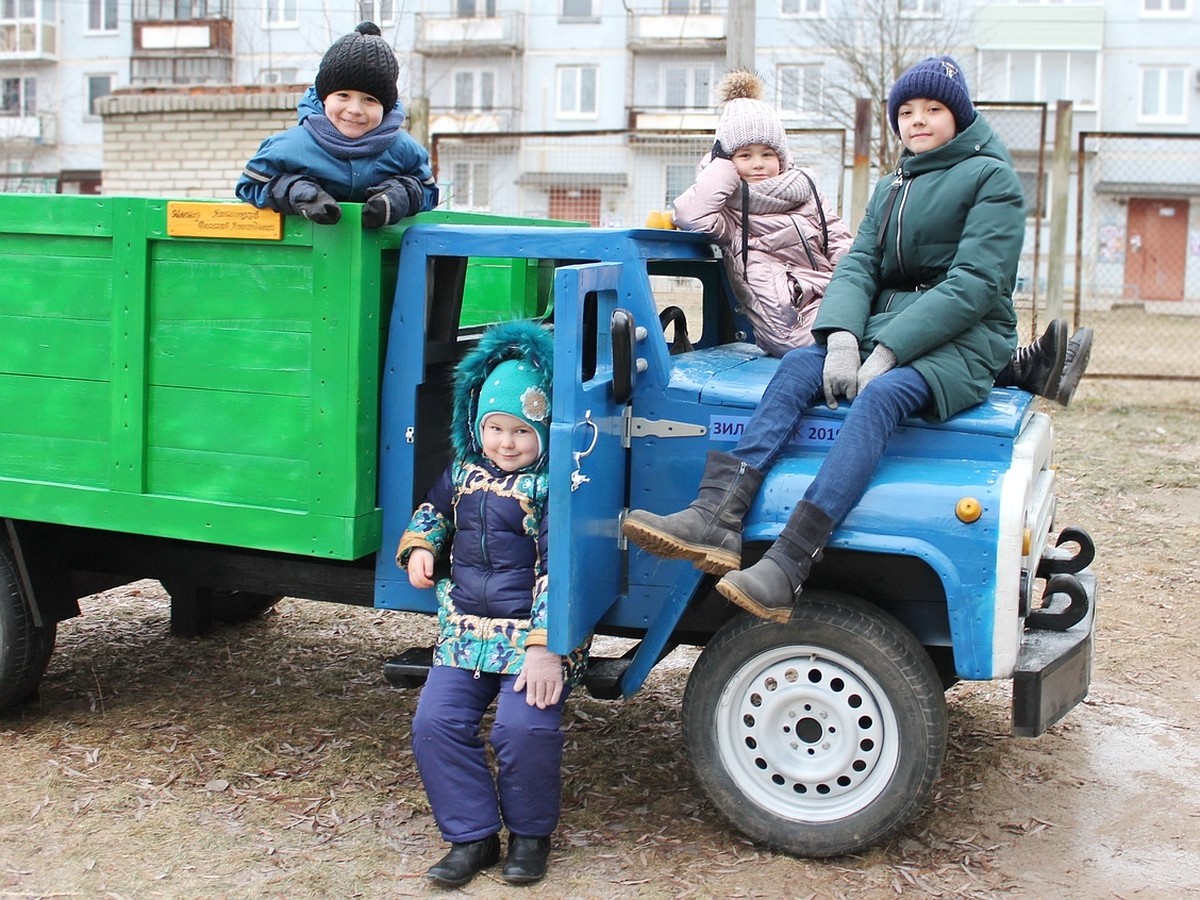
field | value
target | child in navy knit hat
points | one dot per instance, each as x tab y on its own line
1051	366
349	145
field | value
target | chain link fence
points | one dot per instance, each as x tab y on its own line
607	178
1137	272
623	178
1132	251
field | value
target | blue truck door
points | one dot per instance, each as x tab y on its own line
587	456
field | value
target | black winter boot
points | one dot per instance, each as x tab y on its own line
769	588
459	866
709	531
1079	349
1037	367
527	859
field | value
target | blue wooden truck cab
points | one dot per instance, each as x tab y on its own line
944	554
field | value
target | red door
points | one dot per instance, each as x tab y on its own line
575	204
1156	250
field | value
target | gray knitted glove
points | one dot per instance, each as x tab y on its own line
880	360
541	677
841	367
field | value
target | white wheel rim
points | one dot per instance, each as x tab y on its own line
807	734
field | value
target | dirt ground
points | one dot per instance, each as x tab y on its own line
272	760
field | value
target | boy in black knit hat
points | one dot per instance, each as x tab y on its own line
349	145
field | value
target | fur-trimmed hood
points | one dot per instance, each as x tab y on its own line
509	340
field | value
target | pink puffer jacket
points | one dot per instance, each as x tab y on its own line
787	263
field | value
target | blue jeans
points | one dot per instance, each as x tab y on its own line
847	469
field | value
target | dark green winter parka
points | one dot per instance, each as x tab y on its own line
931	272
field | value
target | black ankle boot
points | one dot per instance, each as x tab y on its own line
1038	367
459	866
1079	350
769	588
527	859
709	530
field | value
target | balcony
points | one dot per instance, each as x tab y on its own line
446	120
662	119
33	129
697	33
182	51
28	39
477	35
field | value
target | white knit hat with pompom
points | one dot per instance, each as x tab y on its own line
746	119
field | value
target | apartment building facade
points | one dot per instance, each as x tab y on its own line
632	74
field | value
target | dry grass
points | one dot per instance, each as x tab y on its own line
272	760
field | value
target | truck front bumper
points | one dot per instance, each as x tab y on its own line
1054	669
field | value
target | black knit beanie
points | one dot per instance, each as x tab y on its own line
933	78
360	61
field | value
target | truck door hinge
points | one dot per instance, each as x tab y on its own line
637	427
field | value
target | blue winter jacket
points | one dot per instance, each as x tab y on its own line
296	152
493	605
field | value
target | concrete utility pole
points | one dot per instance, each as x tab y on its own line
739	35
860	179
1061	171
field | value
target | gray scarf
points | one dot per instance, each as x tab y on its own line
372	143
783	193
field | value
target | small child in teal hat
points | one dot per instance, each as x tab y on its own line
489	510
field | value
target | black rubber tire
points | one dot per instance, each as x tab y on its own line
24	647
820	737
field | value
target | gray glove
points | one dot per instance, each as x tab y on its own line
392	200
304	197
881	360
541	677
841	367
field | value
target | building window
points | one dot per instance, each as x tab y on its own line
470	186
800	89
1162	97
19	96
1039	77
280	13
381	12
102	15
689	7
1177	8
97	86
179	10
474	92
813	9
475	9
577	9
687	87
923	9
278	76
577	92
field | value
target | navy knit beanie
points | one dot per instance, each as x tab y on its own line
360	61
934	78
